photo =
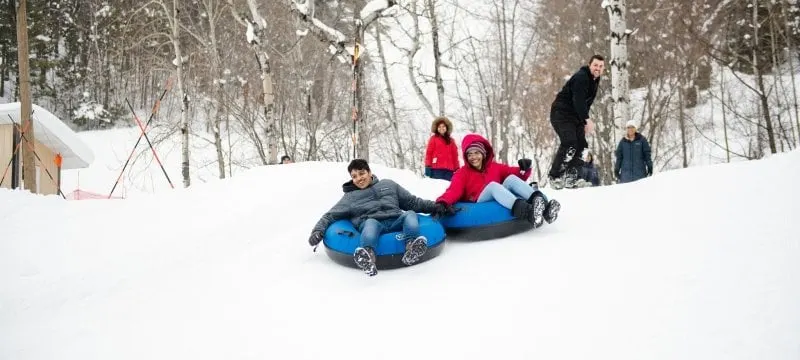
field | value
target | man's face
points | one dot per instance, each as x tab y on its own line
596	67
361	178
631	131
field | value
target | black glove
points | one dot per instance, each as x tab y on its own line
443	209
315	238
649	172
524	164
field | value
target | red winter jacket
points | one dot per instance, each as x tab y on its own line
441	155
467	183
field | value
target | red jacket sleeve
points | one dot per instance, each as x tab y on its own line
514	170
454	149
429	152
455	190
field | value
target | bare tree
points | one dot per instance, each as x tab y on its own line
176	44
28	159
256	30
205	33
399	154
437	54
368	14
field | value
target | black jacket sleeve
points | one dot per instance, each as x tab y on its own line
580	92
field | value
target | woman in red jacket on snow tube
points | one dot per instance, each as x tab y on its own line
482	179
441	155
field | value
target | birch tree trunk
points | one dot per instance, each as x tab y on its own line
620	94
724	114
256	37
176	44
411	54
28	160
790	57
216	65
682	123
437	55
399	153
762	94
362	132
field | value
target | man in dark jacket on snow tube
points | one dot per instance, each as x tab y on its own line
633	156
376	207
569	116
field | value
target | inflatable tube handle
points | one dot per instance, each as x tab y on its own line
345	232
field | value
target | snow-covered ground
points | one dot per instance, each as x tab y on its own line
698	263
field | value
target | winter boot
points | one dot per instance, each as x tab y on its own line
557	183
521	209
581	183
364	258
538	207
530	212
551	211
570	178
537	201
415	249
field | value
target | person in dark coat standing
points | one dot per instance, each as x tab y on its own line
441	155
569	116
376	207
633	156
589	171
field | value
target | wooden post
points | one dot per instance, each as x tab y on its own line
28	161
57	160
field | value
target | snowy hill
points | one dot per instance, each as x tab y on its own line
700	263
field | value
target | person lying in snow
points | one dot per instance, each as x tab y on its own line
376	207
483	179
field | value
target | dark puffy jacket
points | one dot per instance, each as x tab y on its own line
576	97
633	159
382	199
589	173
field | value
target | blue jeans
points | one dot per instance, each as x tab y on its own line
513	188
372	229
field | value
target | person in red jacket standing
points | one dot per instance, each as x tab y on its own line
441	156
482	179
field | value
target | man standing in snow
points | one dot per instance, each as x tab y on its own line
633	156
376	207
569	116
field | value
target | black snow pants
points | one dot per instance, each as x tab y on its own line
573	141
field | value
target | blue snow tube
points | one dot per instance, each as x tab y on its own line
341	240
483	221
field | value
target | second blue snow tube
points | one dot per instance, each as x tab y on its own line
483	221
342	238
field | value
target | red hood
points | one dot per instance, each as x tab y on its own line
471	138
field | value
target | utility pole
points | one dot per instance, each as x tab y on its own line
24	80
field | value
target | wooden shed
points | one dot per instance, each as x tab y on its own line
53	139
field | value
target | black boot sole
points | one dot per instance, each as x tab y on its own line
365	262
415	249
